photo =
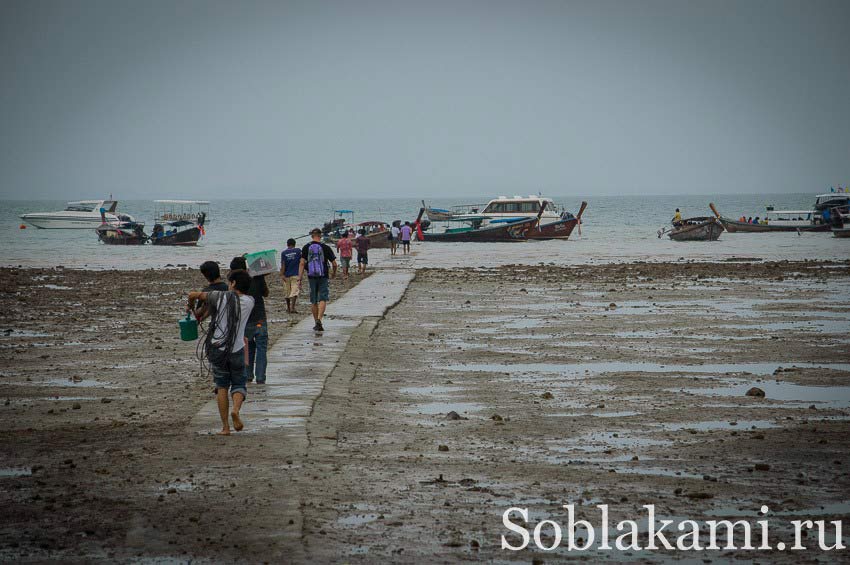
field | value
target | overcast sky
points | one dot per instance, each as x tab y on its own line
147	98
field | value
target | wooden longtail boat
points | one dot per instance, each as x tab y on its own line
736	226
559	229
125	233
437	214
697	229
496	231
377	232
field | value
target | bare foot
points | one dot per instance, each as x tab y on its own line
224	432
237	423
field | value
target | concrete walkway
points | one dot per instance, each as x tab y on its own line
301	360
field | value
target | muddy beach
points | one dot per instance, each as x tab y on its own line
481	390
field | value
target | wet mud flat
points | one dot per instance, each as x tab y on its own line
96	463
535	387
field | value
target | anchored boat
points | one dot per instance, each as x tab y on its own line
80	214
707	228
495	230
776	221
179	222
559	229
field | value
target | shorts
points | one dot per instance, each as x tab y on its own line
362	258
319	290
405	242
345	262
290	286
231	375
390	237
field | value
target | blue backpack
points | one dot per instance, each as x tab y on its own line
316	261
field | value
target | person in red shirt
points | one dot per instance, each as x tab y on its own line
344	246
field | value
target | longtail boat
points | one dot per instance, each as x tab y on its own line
508	229
437	214
780	225
705	228
559	229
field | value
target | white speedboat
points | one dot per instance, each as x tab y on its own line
82	214
504	209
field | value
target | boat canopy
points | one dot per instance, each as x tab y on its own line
343	211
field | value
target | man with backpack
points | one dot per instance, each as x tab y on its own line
315	259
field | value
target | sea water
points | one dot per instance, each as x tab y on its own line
615	228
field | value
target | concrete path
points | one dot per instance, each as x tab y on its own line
301	360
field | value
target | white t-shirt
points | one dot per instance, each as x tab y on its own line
394	231
246	304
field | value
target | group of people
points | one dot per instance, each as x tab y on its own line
236	342
400	234
751	220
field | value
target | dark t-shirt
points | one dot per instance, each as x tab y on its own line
329	256
220	285
258	289
290	258
362	242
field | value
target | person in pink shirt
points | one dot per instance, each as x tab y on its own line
344	246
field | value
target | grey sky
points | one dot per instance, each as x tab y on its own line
147	98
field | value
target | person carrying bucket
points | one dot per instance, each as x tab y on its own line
224	344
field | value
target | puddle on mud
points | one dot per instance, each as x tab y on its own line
836	396
720	425
598	442
433	390
6	472
434	408
832	509
623	414
179	486
356	519
12	334
625	366
85	383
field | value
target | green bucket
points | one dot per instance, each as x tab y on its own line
188	328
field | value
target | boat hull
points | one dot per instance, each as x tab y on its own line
48	222
841	232
110	235
709	230
187	237
734	226
516	231
554	230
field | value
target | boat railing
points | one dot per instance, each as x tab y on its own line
467	209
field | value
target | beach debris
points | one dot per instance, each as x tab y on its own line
105	400
547	395
496	418
455	416
756	392
699	495
761	467
612	306
443	448
77	406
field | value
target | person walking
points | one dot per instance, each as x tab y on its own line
315	258
290	259
406	230
257	330
212	273
344	246
362	243
224	344
394	234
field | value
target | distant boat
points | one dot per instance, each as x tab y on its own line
706	228
777	221
840	222
437	214
179	222
495	230
81	214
